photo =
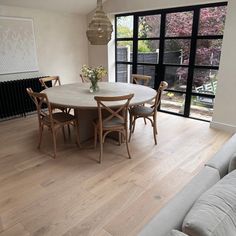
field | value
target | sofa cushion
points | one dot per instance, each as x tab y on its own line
232	163
214	213
172	215
177	233
221	159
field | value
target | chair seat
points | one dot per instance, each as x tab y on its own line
60	117
141	111
113	123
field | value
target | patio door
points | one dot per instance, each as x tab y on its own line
181	46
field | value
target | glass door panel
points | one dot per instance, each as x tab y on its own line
205	81
201	107
179	24
212	20
176	77
149	26
123	73
125	51
177	51
173	102
147	70
148	51
124	26
208	52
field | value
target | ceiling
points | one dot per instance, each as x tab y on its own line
69	6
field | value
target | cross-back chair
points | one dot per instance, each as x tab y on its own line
54	79
149	113
141	79
54	121
83	78
111	119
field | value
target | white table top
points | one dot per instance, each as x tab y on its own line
78	96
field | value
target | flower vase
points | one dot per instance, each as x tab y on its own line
93	87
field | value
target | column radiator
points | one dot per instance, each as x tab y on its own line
14	99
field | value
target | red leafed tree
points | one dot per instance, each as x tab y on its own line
179	24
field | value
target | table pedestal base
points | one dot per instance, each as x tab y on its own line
86	118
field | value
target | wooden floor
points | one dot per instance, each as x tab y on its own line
74	195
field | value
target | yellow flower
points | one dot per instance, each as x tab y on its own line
94	74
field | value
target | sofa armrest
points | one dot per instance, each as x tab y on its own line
221	159
172	215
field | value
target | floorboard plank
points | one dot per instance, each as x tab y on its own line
74	195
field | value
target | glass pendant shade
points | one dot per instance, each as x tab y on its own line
100	28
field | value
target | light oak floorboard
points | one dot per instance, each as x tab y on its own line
74	195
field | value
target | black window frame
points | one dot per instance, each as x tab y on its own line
160	67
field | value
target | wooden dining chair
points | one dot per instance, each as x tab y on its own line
149	113
54	121
141	79
83	79
111	119
55	80
86	80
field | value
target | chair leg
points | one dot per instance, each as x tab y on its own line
145	120
40	136
154	130
64	135
77	133
119	138
126	142
101	146
130	126
54	143
95	136
133	124
68	127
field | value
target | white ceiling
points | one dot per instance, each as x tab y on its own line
69	6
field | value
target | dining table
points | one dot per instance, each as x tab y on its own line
78	97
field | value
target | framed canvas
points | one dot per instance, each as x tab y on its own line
17	46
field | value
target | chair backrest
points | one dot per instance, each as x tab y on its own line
54	79
105	113
40	100
141	79
163	85
83	79
86	80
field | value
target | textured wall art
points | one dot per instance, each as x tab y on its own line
17	46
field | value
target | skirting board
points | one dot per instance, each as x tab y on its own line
222	126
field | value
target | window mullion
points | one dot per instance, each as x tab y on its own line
193	48
161	68
135	44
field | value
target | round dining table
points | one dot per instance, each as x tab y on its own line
78	97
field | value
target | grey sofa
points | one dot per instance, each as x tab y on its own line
173	214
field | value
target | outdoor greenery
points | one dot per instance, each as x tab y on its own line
177	52
212	22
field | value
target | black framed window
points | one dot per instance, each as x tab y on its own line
179	45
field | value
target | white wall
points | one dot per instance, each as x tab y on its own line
62	46
225	109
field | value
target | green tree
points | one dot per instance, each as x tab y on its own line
124	30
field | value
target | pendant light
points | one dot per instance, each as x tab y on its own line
100	28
